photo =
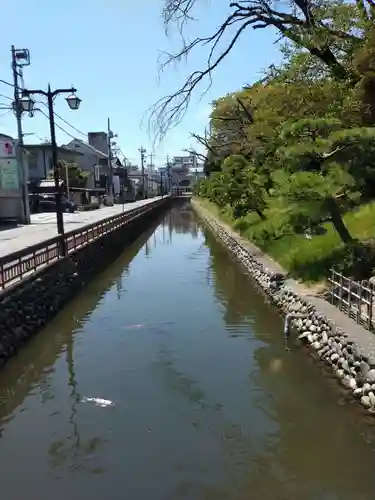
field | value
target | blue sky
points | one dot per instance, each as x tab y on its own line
109	51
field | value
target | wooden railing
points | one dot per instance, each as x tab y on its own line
19	265
355	298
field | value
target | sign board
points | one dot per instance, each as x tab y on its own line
7	148
9	174
97	172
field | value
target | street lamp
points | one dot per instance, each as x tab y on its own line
143	152
74	102
161	184
27	104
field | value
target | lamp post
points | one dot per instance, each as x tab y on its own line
143	152
161	184
28	106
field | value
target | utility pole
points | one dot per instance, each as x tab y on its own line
143	152
150	170
161	184
169	175
110	175
20	58
151	156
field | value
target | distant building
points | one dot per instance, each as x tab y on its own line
99	141
94	160
91	160
184	163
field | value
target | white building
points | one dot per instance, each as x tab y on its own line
151	182
189	162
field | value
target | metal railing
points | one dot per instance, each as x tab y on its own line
19	265
355	298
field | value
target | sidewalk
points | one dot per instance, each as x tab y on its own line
43	226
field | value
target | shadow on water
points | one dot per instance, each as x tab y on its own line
33	364
315	441
209	405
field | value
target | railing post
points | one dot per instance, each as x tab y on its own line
350	296
2	282
359	313
20	267
62	246
370	307
340	292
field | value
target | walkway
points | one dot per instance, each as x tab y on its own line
43	226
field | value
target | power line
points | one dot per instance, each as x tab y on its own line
61	128
65	121
6	97
57	125
7	83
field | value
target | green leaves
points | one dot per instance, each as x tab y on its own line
309	149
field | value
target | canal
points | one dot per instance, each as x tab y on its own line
206	402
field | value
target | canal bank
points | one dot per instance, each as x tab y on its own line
207	403
31	302
346	347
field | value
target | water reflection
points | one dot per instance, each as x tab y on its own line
209	405
31	369
181	220
308	412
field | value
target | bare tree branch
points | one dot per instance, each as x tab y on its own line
298	25
212	145
248	114
204	141
171	109
194	152
177	12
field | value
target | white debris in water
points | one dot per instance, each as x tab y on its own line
103	403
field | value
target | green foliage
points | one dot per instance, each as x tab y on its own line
76	177
295	152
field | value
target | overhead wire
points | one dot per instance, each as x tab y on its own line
4	114
6	97
7	83
63	120
63	130
57	125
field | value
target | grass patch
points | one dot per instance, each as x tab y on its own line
310	260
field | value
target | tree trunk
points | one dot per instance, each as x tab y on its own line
260	213
338	222
328	57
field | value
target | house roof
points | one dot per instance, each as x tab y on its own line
47	145
87	146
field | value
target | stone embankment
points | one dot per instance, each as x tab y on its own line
28	306
342	351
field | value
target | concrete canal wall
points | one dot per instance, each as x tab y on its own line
31	303
346	347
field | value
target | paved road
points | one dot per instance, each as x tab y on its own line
43	226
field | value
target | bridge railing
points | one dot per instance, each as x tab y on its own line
23	263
